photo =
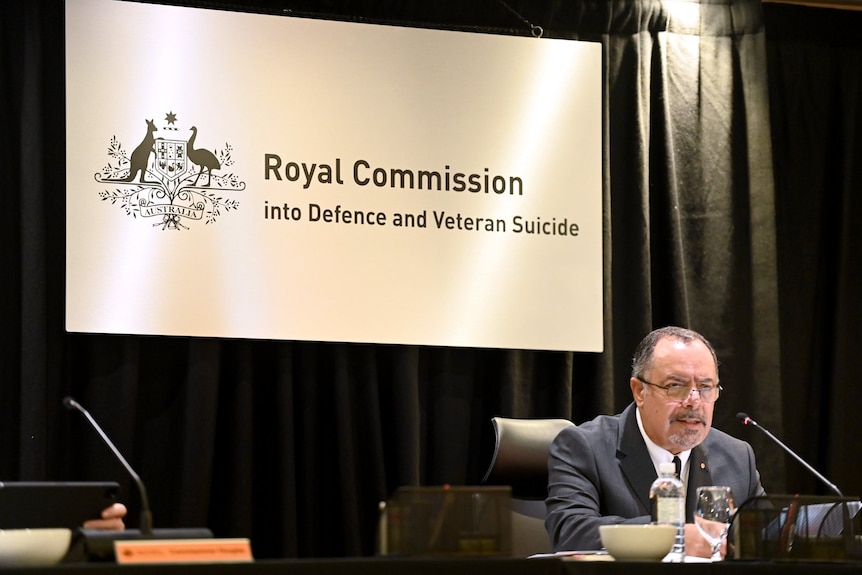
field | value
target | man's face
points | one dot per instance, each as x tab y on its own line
676	425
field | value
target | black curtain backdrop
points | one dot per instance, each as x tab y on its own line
815	81
732	184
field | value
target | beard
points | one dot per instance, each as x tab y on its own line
688	438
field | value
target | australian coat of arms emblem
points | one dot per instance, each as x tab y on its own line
174	180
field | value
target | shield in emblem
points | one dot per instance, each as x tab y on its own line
171	160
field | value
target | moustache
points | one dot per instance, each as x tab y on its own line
689	415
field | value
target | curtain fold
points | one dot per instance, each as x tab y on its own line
815	58
294	443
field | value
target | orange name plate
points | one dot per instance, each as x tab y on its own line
183	551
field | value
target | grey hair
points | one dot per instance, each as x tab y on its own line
643	356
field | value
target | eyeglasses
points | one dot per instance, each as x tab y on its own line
680	392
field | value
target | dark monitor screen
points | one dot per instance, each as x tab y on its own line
37	504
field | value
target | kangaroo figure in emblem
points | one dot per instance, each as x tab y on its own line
141	156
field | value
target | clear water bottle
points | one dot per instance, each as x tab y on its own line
667	498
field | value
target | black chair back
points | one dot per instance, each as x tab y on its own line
520	460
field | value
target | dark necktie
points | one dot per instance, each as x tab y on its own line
678	464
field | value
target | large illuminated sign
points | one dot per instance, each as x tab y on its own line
251	176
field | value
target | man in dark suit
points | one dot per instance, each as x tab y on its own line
600	472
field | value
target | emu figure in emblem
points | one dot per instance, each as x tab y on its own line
205	159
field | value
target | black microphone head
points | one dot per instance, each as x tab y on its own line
743	417
70	403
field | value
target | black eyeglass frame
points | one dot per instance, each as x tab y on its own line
717	389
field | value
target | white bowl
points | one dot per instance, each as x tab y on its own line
637	542
33	547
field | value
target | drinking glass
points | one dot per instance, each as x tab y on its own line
712	515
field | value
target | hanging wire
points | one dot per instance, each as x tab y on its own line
261	7
537	30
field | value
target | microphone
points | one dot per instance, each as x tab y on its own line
146	515
746	420
97	544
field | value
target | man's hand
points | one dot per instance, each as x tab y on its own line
112	519
697	546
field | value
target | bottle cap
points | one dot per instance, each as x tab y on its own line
667	467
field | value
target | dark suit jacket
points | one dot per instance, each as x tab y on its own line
600	472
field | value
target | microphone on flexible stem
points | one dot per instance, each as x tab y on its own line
146	514
743	417
98	544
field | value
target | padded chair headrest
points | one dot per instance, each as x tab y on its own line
521	454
